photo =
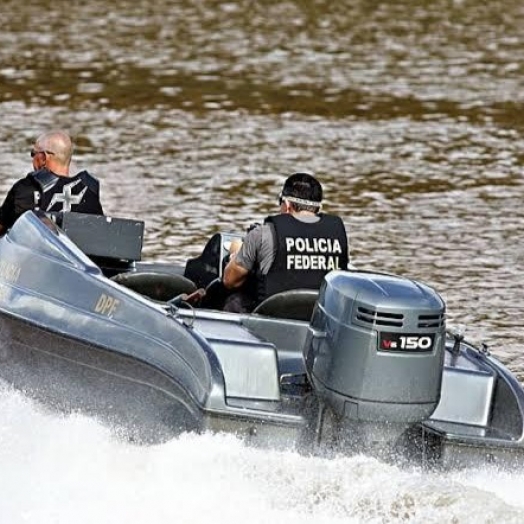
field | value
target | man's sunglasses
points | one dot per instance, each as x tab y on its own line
34	152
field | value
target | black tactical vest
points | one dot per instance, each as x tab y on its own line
305	253
79	193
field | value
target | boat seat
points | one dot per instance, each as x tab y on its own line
295	304
158	286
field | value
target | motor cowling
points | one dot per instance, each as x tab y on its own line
375	347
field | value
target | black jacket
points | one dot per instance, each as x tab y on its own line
49	192
305	253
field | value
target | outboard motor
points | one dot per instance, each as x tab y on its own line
374	355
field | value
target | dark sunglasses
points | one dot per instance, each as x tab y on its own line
34	152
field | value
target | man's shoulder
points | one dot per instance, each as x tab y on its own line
83	174
334	219
24	183
257	233
254	242
89	180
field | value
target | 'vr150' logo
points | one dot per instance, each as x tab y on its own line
404	342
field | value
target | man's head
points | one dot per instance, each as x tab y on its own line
53	150
301	192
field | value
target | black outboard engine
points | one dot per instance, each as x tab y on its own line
374	355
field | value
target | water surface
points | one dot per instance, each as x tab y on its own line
191	114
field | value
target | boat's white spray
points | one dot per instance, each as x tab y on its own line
63	469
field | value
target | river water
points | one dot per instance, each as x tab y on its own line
191	114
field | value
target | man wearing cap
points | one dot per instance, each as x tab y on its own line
49	187
294	249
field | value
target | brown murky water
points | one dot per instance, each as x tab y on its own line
191	113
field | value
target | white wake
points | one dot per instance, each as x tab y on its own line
56	469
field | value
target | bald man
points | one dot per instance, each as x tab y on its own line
49	187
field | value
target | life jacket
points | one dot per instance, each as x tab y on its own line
305	253
55	194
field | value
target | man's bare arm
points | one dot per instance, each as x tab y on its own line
234	274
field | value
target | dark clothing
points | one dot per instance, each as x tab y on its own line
45	191
305	253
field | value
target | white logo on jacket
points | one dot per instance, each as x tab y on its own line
315	253
66	197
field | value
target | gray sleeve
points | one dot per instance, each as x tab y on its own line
247	255
258	247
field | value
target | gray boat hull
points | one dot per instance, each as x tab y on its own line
78	341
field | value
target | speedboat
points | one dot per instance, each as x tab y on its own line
364	365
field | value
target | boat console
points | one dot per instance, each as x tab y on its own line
114	244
